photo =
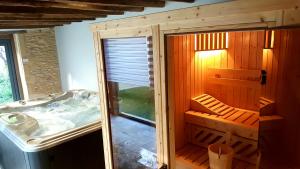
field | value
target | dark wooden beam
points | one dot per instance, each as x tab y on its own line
41	20
29	16
26	26
49	13
188	1
143	3
34	22
68	5
45	10
14	26
30	24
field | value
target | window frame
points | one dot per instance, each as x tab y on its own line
7	43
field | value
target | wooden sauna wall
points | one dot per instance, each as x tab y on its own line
184	73
283	86
187	73
245	52
275	59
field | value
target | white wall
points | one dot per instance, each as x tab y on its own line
76	51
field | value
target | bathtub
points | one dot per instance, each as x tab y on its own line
58	132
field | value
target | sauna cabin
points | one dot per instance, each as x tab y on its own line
230	87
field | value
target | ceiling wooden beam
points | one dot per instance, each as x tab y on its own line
45	10
26	26
188	1
30	24
143	3
50	13
50	24
41	20
34	22
46	16
68	5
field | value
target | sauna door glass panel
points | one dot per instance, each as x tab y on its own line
129	74
8	81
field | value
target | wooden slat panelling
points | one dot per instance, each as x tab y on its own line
211	41
281	63
270	64
185	72
189	74
243	54
283	79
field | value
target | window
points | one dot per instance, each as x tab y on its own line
8	81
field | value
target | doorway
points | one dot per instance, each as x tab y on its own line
129	80
8	80
258	74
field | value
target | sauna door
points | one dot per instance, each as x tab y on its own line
129	75
129	102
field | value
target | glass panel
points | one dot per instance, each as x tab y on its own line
131	102
6	94
137	101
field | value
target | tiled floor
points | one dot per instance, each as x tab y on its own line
133	143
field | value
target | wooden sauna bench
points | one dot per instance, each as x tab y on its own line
212	121
196	157
239	122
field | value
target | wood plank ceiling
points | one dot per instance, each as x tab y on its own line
16	14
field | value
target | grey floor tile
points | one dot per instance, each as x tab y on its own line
129	138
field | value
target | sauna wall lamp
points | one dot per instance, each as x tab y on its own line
269	39
211	41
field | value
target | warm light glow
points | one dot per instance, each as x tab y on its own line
208	43
272	39
269	39
267	55
211	41
196	42
204	41
222	40
227	39
205	54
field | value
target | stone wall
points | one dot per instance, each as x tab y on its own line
40	62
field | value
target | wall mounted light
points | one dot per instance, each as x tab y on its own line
211	41
269	39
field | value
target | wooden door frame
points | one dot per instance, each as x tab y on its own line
163	106
161	119
166	78
234	15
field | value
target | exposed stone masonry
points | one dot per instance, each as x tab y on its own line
39	54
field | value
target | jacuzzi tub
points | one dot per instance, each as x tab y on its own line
60	132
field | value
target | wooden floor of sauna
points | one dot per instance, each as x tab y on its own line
196	157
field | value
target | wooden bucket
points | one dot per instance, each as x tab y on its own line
220	156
